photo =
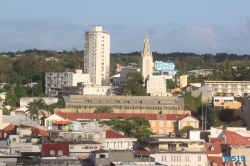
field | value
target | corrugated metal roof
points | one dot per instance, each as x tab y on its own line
19	120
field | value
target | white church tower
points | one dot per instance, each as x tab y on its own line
146	60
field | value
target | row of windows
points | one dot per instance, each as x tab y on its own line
85	147
177	158
123	107
59	152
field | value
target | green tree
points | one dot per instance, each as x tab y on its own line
103	109
138	127
170	84
134	85
133	127
185	129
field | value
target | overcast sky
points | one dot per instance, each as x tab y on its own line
209	26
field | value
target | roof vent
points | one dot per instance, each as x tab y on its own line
82	115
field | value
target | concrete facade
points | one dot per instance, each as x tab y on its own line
225	102
124	104
146	60
97	55
90	89
54	81
156	84
24	101
235	88
181	81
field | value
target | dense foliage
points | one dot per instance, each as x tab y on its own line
134	85
133	127
103	109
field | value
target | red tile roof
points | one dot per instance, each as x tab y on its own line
218	161
216	148
235	139
113	134
99	151
218	140
107	116
38	131
10	127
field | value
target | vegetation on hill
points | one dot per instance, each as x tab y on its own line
133	127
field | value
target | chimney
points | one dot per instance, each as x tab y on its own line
225	138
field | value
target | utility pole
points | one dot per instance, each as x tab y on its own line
202	118
206	118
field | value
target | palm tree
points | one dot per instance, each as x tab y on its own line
35	106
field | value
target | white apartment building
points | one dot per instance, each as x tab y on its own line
156	84
236	88
97	55
54	81
83	88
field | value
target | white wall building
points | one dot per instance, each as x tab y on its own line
97	55
56	80
24	101
146	60
236	88
156	84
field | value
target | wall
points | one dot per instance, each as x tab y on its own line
181	159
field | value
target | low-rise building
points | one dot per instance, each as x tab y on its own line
160	123
156	84
235	88
124	104
181	81
83	88
165	68
225	102
177	150
24	101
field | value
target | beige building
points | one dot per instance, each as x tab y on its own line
181	81
124	104
146	60
97	55
226	102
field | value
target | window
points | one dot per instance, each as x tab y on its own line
216	100
184	124
52	152
193	124
169	123
161	124
160	131
14	140
183	145
153	123
102	155
71	147
199	158
60	152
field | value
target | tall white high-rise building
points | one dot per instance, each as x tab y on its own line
97	55
146	60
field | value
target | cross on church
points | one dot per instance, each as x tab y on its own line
146	36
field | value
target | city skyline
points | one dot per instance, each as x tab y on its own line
187	26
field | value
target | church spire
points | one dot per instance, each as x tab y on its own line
146	60
146	49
